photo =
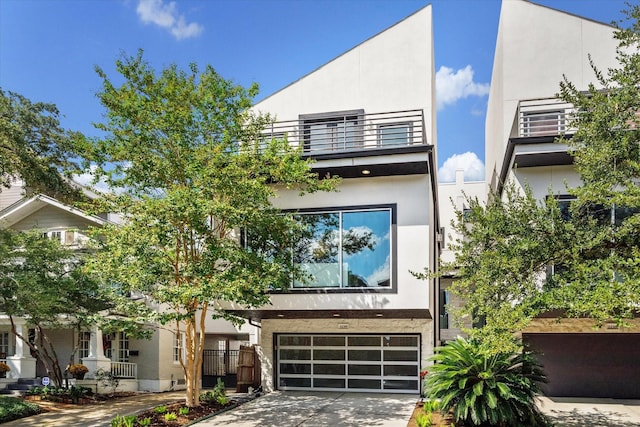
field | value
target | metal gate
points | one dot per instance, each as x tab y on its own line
220	364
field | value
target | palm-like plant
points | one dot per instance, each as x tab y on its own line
486	389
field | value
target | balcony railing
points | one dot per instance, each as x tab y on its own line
544	117
124	370
352	131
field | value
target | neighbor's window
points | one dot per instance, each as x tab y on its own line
541	123
4	344
84	339
345	249
177	345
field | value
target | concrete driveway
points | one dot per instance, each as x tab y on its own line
582	412
310	409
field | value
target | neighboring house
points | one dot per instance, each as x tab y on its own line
362	322
151	365
453	197
523	119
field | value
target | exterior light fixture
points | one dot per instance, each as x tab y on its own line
366	172
336	314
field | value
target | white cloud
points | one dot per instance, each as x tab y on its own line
381	275
166	15
86	179
452	86
469	162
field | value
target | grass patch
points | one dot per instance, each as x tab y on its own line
12	408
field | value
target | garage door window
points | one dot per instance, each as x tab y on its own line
348	362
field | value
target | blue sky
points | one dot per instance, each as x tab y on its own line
48	49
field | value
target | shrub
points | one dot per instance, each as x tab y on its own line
423	419
12	408
170	416
4	367
143	422
78	369
486	389
123	421
160	409
183	411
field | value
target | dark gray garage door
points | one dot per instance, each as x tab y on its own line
590	365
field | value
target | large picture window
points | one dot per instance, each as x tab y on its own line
345	249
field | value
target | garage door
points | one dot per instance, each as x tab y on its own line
589	365
365	363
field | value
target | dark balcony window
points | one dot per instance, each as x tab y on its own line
332	131
540	123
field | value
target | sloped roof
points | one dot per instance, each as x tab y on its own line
25	207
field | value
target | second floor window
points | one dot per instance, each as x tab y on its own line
345	249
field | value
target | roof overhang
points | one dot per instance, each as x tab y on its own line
28	206
530	152
412	160
259	315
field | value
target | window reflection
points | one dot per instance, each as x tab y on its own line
345	249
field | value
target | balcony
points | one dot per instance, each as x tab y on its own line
548	117
349	131
352	143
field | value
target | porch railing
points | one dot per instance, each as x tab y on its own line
351	131
544	117
124	370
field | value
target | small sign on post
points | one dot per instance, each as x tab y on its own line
45	381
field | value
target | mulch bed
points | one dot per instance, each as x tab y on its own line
438	419
206	409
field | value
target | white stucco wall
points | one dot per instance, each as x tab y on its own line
391	71
410	194
452	197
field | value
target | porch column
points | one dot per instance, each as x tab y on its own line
96	359
22	366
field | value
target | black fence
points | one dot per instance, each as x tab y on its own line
221	364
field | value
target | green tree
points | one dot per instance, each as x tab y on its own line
196	176
510	243
34	147
44	283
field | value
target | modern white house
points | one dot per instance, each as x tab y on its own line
362	322
523	120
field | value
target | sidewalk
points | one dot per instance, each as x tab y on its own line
96	415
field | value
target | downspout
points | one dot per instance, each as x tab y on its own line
435	253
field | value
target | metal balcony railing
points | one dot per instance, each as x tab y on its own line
352	131
124	370
544	117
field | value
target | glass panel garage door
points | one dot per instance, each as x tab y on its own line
367	363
